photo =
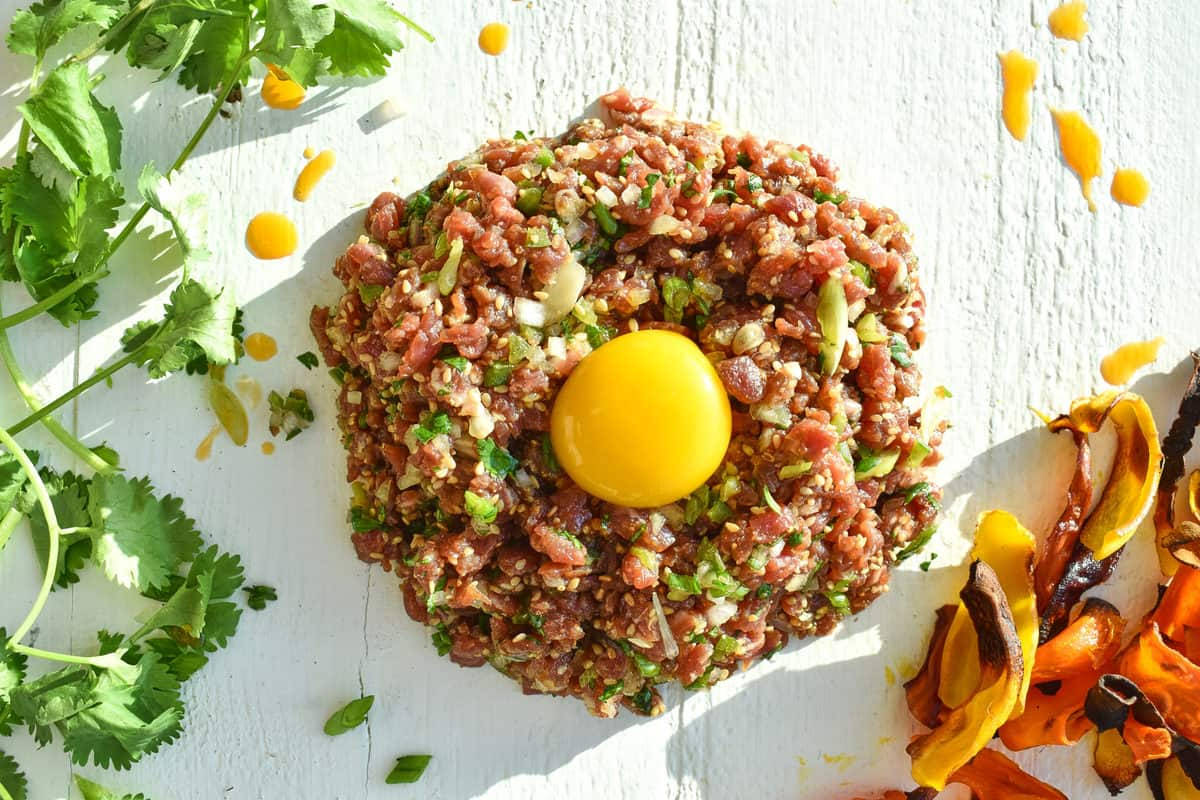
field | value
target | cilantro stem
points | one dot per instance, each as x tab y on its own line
74	392
7	525
56	429
4	795
43	498
50	301
111	33
105	660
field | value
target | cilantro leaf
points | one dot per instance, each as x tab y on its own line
186	213
11	778
292	29
183	614
143	539
94	791
180	660
349	716
13	480
64	115
496	459
162	45
215	51
308	359
68	495
365	33
12	673
197	320
38	28
221	618
481	509
258	596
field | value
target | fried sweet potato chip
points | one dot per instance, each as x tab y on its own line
1060	544
922	691
1169	781
1008	548
1179	607
1183	542
1129	492
966	729
1174	447
1113	761
1169	680
1054	719
1083	646
993	776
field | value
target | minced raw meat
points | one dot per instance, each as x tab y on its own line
445	403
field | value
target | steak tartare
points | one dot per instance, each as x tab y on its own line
468	304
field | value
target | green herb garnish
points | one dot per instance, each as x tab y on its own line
349	716
647	193
496	459
623	163
611	691
408	769
497	375
258	596
289	415
308	359
604	218
432	425
481	509
824	197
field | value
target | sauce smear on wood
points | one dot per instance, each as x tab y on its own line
1130	187
1068	22
270	235
1118	366
1080	148
260	347
1019	73
312	173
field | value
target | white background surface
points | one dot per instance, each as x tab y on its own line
1027	291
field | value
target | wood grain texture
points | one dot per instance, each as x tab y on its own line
1027	291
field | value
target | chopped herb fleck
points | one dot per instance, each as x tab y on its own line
648	190
308	359
258	596
408	769
496	459
605	220
432	425
479	508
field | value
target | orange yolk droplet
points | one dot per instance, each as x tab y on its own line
642	421
268	448
1118	366
270	235
493	38
1130	187
313	171
279	91
1080	148
260	346
1067	21
204	449
1019	73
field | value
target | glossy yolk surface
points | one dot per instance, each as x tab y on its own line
1067	21
312	173
270	235
1019	73
1130	187
493	38
260	346
279	91
642	421
1080	148
268	448
1118	366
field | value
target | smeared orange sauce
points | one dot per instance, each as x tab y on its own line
1118	366
279	91
1018	73
493	38
1129	187
260	346
268	448
1067	21
312	173
1080	148
270	235
204	449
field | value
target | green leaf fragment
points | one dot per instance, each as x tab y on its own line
408	769
349	716
84	135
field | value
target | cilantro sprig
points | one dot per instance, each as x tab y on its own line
60	198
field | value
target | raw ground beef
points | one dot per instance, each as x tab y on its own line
445	400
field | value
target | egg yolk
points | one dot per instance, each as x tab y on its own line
279	91
270	235
493	38
260	346
642	421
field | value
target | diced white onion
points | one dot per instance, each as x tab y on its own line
481	425
556	347
663	224
605	195
564	290
670	647
390	360
354	398
529	312
630	194
720	612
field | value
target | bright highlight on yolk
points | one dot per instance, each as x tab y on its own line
642	421
493	38
270	235
260	346
279	91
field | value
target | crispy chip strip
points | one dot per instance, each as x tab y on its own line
1175	446
993	776
1059	548
1056	719
966	730
922	691
1083	646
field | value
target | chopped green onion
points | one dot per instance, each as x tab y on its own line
458	362
408	769
529	197
649	559
872	464
645	667
900	352
544	157
612	691
763	591
497	375
418	206
308	359
869	330
429	277
623	164
743	160
370	292
916	457
682	586
862	272
648	190
795	539
724	193
697	505
441	245
833	317
823	197
441	639
758	558
605	220
917	544
479	508
770	501
795	470
725	647
689	188
537	237
598	334
754	183
720	512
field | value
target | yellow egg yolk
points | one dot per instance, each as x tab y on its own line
642	421
270	235
260	346
1019	73
313	171
1068	21
493	38
279	91
1130	187
1080	148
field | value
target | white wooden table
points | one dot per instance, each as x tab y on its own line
1027	291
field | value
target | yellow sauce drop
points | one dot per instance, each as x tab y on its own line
1130	187
843	760
309	152
279	91
1067	22
1018	73
270	235
1080	148
313	171
1118	366
260	346
493	38
889	675
249	389
204	449
268	448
